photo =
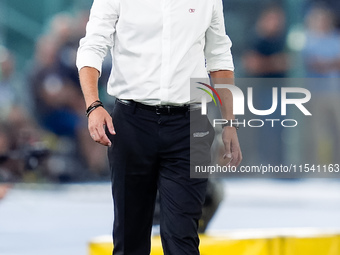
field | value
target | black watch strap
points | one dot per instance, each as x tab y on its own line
235	125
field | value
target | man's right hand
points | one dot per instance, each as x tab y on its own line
98	119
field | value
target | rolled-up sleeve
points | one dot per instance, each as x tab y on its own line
217	43
99	34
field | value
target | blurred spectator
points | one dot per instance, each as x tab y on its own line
322	63
59	104
334	5
322	50
57	98
17	129
8	95
266	57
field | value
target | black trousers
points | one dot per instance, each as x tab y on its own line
150	152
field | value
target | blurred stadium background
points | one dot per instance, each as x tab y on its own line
44	138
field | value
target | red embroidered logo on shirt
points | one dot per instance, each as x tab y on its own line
191	10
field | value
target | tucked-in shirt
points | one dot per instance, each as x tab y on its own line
156	46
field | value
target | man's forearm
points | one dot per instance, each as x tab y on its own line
89	84
224	77
233	153
99	117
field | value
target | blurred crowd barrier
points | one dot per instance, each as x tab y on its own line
248	242
43	129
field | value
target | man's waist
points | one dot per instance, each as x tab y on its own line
162	108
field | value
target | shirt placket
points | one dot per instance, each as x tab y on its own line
166	50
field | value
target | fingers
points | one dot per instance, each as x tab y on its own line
233	152
228	152
236	157
240	157
103	139
109	125
94	135
99	136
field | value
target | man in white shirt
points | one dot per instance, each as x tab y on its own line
156	47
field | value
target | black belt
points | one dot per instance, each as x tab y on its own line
162	109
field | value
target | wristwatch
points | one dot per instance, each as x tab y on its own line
235	125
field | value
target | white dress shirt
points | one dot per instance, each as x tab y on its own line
156	46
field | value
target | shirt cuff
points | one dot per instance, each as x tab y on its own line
218	66
90	59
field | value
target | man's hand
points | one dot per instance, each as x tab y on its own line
232	148
98	119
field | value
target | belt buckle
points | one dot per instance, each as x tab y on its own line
157	109
162	107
